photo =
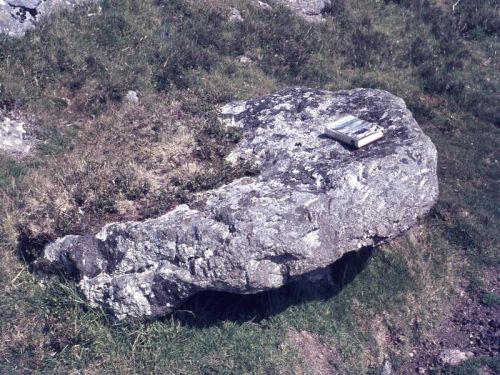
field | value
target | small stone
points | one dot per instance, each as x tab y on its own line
262	5
387	369
311	10
132	97
245	59
454	356
235	15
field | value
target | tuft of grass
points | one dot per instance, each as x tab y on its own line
491	299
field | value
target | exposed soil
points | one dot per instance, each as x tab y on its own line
471	326
319	359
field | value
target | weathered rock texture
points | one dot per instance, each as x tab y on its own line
310	9
18	16
14	140
314	200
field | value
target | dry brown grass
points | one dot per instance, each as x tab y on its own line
132	162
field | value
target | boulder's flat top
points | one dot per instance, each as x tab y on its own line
313	200
289	125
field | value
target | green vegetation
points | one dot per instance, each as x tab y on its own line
100	159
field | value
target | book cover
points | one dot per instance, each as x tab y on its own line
354	131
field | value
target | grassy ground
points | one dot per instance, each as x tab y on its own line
101	159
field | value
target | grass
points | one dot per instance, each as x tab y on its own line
102	159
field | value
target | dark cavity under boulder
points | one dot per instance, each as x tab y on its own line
313	201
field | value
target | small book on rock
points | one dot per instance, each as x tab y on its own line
354	131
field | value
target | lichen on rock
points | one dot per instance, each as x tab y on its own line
19	16
311	10
314	200
14	138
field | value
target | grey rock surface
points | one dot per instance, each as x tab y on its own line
132	97
235	15
14	140
454	357
311	10
18	16
313	200
386	368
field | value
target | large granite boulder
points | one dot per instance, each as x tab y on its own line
313	200
18	16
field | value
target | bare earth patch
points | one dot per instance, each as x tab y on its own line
469	326
130	163
318	358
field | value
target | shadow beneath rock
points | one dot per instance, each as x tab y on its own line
30	248
211	308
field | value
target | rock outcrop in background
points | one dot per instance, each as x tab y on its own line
18	16
313	200
14	138
310	9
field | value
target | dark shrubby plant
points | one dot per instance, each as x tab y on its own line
7	100
367	45
475	18
338	10
484	105
280	42
440	65
420	110
420	51
180	56
435	78
192	39
316	70
438	79
288	44
471	18
285	45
